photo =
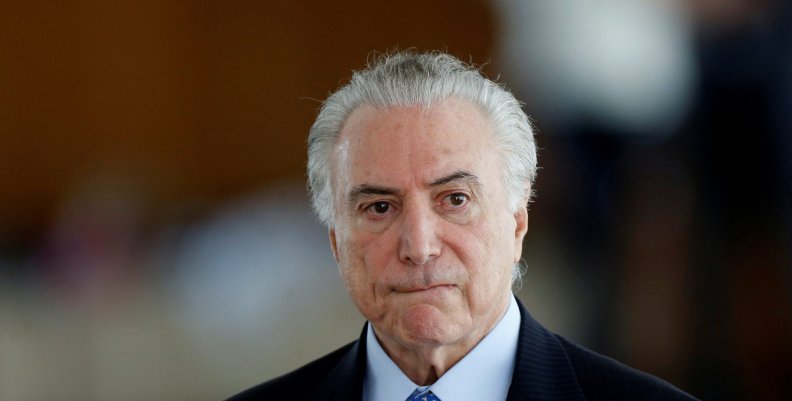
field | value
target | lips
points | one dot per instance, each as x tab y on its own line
423	288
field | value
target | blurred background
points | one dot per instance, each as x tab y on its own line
155	235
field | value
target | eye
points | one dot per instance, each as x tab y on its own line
380	207
456	200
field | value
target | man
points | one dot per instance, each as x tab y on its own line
422	170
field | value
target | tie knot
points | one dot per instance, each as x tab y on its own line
422	395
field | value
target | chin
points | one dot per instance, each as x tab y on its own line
427	325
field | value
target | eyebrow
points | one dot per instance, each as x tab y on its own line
457	176
366	189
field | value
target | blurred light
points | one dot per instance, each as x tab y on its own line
258	270
625	64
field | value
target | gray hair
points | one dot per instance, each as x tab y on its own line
408	79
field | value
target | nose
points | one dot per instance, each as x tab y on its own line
419	242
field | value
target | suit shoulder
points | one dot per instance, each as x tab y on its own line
293	385
603	378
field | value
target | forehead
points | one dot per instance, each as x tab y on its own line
414	144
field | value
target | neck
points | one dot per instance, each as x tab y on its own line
424	364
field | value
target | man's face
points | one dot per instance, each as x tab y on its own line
423	235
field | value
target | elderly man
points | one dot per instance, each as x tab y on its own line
421	168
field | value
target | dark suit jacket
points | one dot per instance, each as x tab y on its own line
548	367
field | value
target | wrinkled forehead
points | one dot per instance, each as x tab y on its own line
450	121
412	144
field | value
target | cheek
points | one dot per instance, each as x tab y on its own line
351	265
488	257
357	280
376	250
360	261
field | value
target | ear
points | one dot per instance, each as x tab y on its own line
521	228
333	246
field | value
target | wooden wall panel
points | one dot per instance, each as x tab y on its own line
187	100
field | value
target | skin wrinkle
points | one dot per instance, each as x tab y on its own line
366	190
419	156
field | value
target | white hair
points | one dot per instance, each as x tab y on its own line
409	79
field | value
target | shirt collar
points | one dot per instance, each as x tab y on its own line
485	373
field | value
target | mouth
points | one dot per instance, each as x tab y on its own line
422	289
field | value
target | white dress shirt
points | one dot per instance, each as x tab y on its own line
485	373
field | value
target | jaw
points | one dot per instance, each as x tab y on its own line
420	355
425	342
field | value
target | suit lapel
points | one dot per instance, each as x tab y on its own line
542	371
345	381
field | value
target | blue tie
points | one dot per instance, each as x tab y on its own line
424	395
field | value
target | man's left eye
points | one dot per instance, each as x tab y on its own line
457	199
